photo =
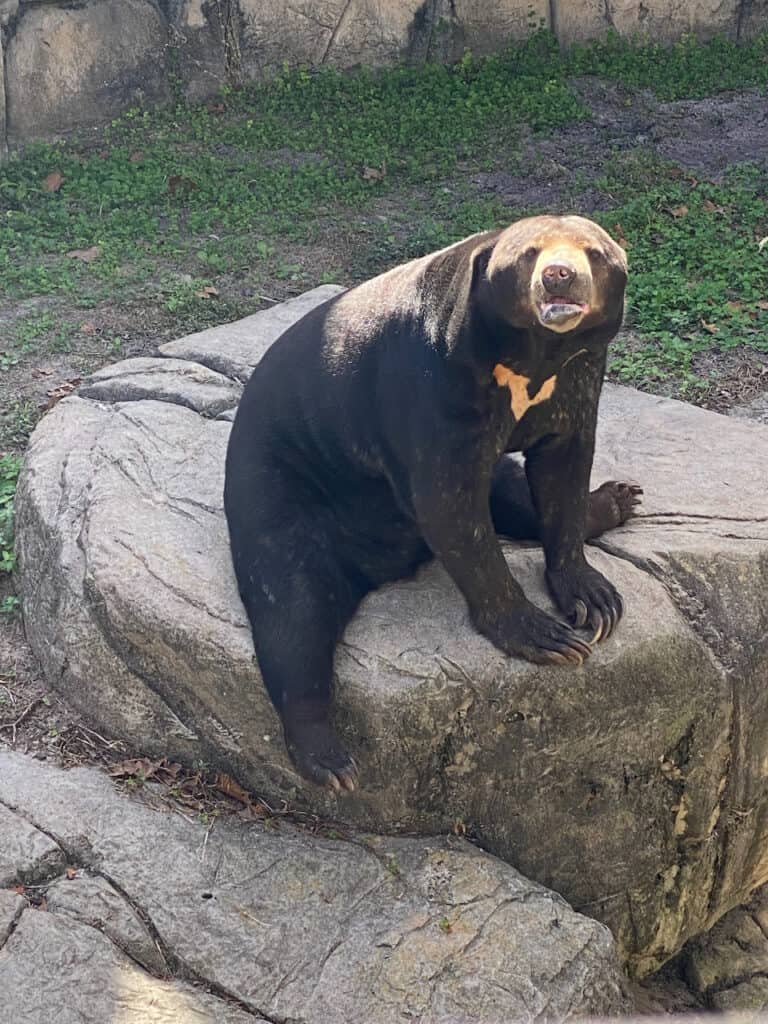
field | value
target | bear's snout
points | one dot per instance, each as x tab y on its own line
557	278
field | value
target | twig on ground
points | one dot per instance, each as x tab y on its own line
24	714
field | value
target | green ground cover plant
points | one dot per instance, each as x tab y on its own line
9	473
172	220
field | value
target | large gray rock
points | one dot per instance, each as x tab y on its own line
363	32
662	20
73	65
283	924
634	785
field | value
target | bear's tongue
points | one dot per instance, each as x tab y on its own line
556	310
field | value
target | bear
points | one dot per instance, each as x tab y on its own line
387	426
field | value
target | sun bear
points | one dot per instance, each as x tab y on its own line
374	435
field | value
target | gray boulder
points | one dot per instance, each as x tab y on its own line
631	785
70	66
279	924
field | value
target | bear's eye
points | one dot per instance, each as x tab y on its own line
531	252
595	254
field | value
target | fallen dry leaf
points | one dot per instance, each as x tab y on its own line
762	304
712	207
87	327
86	255
40	372
19	890
253	812
678	211
229	787
709	328
61	391
215	108
375	173
54	181
178	183
137	157
71	872
208	292
143	768
135	766
735	306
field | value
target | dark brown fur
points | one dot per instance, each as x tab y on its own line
372	435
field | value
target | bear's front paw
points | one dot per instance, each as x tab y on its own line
318	754
532	634
587	598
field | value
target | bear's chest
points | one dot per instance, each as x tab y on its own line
528	410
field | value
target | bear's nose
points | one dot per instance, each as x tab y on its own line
557	278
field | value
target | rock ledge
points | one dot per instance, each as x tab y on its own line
635	786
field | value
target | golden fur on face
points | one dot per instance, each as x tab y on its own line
536	243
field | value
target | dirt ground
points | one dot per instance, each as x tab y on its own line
555	173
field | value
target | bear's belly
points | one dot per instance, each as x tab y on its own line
375	535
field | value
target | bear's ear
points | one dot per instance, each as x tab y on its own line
478	264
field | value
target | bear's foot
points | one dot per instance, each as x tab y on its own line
612	504
536	636
587	598
319	756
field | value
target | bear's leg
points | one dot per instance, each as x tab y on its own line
299	600
612	504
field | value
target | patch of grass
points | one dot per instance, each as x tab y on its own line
699	279
40	330
9	474
17	421
168	203
687	70
211	191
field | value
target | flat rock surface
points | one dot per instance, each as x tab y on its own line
93	900
55	969
624	784
164	380
234	349
26	854
237	922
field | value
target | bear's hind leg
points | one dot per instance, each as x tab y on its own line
612	504
298	608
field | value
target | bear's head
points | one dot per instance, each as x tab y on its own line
562	274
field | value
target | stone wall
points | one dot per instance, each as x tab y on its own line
67	64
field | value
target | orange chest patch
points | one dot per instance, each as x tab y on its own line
518	389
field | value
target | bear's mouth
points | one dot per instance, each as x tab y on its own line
556	311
